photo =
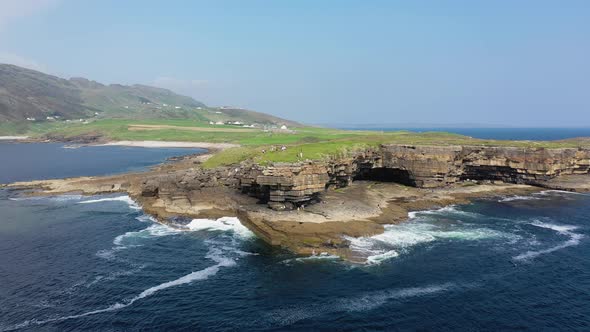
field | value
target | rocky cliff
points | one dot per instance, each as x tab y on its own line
306	218
285	186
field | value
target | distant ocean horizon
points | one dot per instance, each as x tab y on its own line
504	133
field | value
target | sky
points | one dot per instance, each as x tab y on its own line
492	62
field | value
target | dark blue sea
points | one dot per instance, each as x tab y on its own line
497	133
98	263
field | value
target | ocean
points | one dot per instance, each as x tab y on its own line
98	263
497	133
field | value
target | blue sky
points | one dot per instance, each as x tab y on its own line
520	63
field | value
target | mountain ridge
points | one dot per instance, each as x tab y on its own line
30	95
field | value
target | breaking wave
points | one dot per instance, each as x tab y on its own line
126	199
519	198
447	210
565	230
400	238
55	198
134	238
222	224
313	258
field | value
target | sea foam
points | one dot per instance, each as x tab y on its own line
222	224
125	199
214	254
400	238
565	230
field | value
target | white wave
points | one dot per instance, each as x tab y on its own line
133	239
222	224
154	230
360	303
565	230
518	198
146	218
245	253
56	198
402	237
126	199
447	210
200	275
378	258
549	192
315	257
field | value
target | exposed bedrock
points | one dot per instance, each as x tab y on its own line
436	166
289	185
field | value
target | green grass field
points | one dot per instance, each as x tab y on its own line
306	143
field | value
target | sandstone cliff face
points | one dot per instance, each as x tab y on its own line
430	166
285	186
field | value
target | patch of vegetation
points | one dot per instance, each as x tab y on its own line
305	143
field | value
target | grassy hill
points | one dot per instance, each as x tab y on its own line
28	96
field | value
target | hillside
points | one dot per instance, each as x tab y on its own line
28	96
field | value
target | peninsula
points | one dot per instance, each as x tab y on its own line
303	188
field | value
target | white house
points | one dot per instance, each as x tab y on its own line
283	127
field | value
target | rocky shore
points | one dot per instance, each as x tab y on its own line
310	207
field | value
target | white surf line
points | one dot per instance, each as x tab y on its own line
519	198
366	302
13	138
203	274
125	198
222	224
567	230
400	238
545	192
232	224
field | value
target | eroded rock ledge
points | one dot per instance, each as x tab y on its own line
309	206
286	186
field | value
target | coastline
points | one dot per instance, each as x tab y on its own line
182	188
171	144
14	138
359	210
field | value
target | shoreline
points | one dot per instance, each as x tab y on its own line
171	144
182	188
357	211
14	138
141	144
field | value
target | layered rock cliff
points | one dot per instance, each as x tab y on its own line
285	186
431	176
